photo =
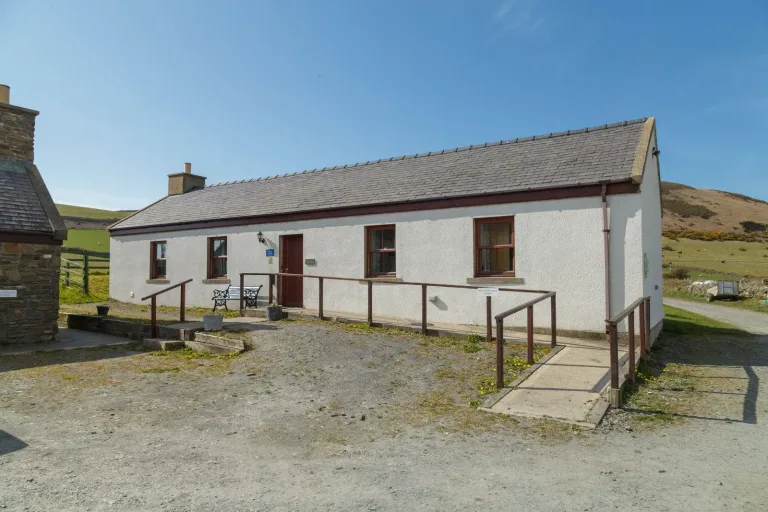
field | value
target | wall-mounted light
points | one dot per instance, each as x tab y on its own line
262	240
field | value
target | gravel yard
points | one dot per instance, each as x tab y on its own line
326	417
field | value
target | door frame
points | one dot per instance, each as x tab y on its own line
284	281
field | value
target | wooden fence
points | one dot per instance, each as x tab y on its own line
77	265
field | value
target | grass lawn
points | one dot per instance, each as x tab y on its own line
749	303
89	239
714	258
66	210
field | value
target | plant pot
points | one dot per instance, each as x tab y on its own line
102	310
213	322
274	313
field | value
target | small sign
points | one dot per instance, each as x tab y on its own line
269	260
8	294
270	252
489	292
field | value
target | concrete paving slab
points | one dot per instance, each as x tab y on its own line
69	339
567	387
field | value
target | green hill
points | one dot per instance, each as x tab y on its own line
82	212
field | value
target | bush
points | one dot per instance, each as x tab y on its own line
686	209
667	248
679	273
714	235
742	249
752	226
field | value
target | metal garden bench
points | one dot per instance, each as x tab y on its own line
250	296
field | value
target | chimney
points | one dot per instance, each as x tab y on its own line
183	182
17	128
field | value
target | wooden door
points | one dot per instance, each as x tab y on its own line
292	262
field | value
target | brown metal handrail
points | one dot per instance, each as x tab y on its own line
529	328
644	305
182	307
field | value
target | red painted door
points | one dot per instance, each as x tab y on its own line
292	262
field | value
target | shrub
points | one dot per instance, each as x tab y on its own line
686	209
752	226
742	249
667	248
714	235
679	273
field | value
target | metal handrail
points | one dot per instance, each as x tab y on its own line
644	305
182	305
489	331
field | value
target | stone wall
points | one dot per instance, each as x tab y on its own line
17	132
33	271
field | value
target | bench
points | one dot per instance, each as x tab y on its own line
250	296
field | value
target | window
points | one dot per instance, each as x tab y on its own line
157	260
380	251
495	246
217	257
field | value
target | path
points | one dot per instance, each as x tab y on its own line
68	339
750	321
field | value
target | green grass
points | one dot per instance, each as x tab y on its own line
98	291
748	303
66	210
679	322
717	259
89	239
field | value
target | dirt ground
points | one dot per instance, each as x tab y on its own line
322	417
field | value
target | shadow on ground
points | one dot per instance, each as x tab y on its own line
10	443
9	363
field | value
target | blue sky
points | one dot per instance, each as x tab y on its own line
130	91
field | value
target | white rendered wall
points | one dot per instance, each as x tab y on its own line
651	198
558	247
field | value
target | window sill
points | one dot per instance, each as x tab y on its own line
382	280
158	281
217	280
495	280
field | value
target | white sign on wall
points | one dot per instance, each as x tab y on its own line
488	292
8	294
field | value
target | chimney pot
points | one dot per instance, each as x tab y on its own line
5	94
187	168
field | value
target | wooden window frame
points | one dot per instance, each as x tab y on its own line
153	259
212	259
369	252
478	248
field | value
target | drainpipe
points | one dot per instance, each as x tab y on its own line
606	254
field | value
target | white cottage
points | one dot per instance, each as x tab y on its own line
526	213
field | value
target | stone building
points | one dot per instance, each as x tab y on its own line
31	234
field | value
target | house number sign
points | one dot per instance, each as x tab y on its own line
270	253
488	292
8	294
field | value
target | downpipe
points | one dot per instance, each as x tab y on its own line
606	255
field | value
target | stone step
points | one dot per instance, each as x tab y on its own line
163	344
213	344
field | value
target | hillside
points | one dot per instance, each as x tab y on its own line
88	226
691	209
82	212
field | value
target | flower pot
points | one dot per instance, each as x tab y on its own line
102	310
274	313
213	322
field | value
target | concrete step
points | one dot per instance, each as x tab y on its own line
163	344
205	342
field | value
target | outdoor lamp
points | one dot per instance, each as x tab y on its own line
262	240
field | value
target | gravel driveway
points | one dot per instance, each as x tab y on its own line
317	417
750	321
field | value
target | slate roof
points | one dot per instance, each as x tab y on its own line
603	154
25	205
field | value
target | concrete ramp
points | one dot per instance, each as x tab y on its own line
566	387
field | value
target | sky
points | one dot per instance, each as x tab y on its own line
129	91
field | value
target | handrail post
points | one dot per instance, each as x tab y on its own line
85	273
153	316
643	340
554	321
242	292
271	285
530	334
631	334
66	281
370	303
320	298
183	306
499	354
648	324
614	393
489	326
424	309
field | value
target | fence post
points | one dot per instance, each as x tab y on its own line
320	299
631	334
66	278
271	285
183	303
614	393
648	339
643	340
370	303
85	273
499	354
424	309
153	317
530	334
242	292
489	333
554	321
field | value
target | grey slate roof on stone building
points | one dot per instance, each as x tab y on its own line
25	205
603	154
